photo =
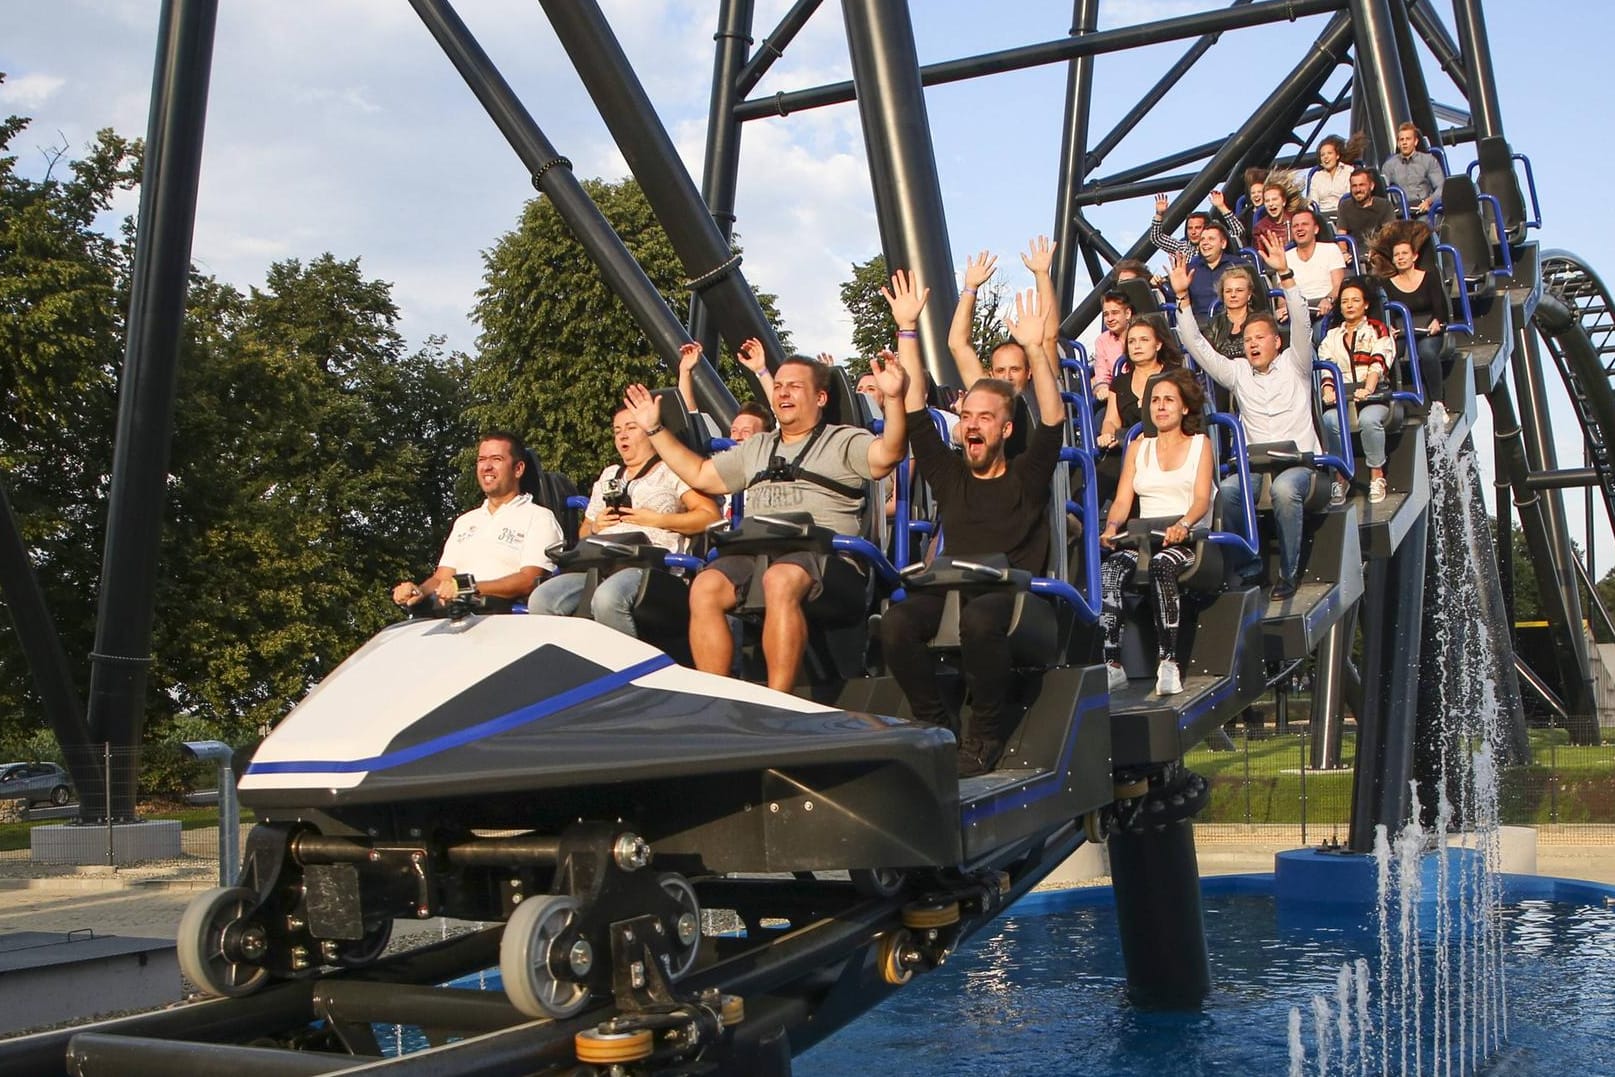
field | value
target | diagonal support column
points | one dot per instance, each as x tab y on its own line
902	165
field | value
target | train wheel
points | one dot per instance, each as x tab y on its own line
889	956
877	882
596	1048
686	941
527	959
1094	828
219	949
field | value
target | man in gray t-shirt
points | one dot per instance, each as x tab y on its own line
826	481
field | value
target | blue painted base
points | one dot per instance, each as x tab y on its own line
1317	877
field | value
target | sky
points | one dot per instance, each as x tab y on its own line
338	126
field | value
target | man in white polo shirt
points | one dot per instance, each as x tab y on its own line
501	543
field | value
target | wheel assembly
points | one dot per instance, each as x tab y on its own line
929	915
220	949
685	944
529	956
890	956
597	1048
877	882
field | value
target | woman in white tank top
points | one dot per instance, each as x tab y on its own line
1170	475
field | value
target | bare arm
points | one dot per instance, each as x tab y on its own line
518	584
1212	361
888	450
907	300
754	359
978	269
1039	258
689	359
1026	326
1121	506
699	511
689	465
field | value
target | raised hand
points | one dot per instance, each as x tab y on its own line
1218	202
890	377
979	268
752	356
1039	254
1180	275
1273	253
1026	324
1161	203
689	358
642	407
827	359
907	299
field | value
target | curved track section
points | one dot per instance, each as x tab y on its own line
1576	318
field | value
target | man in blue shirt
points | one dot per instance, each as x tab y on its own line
1208	267
1416	172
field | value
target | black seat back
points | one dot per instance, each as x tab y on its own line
1140	296
1463	229
551	489
1498	179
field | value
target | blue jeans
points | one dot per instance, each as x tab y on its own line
612	604
1289	493
1370	424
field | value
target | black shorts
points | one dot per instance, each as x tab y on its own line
738	569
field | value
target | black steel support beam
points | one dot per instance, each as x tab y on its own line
42	648
1055	52
553	178
1277	114
773	46
1423	108
1379	75
1477	53
721	168
1159	916
1393	588
173	166
1327	696
1427	23
1073	154
902	165
702	248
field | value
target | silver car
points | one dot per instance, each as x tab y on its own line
38	783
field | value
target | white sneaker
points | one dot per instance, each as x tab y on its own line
1117	676
1167	680
1337	493
1376	491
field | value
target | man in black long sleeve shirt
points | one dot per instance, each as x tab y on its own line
988	504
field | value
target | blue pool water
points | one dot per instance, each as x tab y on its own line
1044	994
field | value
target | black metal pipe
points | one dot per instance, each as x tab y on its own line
721	166
1158	916
1427	23
447	1008
1096	195
702	248
42	648
505	851
1153	95
1054	52
1388	719
1379	74
91	1054
1095	243
1477	53
1150	169
1562	478
553	178
773	46
1418	91
161	274
902	165
1074	156
1288	100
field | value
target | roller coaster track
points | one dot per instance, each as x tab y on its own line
1577	322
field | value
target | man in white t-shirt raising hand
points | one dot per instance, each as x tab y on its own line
499	544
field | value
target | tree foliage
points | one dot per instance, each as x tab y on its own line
557	346
873	328
313	462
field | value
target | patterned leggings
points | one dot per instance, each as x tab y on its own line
1167	566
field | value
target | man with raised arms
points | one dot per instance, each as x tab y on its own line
501	543
1272	391
1009	360
988	505
805	465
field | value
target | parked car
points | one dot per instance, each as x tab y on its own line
38	783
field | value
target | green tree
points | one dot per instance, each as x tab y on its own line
874	330
557	346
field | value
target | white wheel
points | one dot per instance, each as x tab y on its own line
525	958
685	943
218	947
877	882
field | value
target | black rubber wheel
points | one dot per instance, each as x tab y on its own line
60	795
877	882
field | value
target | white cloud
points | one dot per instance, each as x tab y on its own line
29	91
